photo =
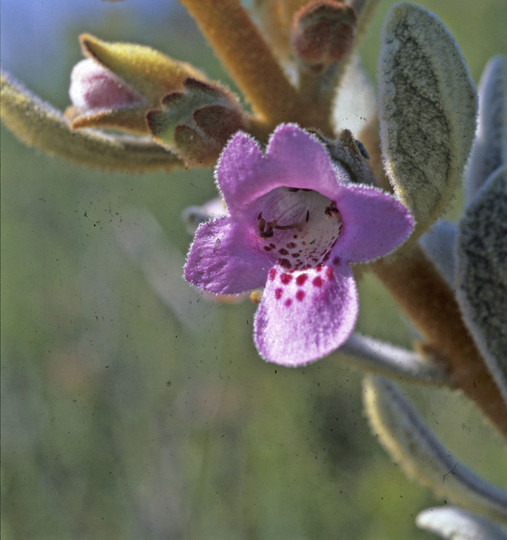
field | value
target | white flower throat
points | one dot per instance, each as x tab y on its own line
298	227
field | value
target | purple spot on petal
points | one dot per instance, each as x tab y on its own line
300	280
288	302
272	274
329	272
336	260
285	263
300	295
285	278
266	248
318	281
283	251
292	245
278	293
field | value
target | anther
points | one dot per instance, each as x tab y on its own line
331	210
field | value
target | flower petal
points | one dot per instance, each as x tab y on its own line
222	259
298	159
294	158
374	223
239	172
305	315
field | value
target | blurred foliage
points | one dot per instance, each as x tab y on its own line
123	419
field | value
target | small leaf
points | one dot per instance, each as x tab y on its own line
458	524
37	123
440	246
427	111
413	446
489	151
482	274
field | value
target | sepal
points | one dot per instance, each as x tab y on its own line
197	122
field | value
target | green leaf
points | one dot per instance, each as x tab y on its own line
37	123
427	111
482	274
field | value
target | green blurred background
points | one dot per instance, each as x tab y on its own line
132	407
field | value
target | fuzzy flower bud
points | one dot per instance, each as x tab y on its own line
197	122
93	87
119	82
323	33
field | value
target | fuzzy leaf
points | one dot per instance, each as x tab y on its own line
413	446
38	124
458	524
427	111
482	274
489	151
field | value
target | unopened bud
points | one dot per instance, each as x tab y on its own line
119	82
93	88
323	33
197	122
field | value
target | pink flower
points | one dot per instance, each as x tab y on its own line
295	223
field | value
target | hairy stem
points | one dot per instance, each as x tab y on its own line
239	44
422	293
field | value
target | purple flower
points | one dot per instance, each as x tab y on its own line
295	223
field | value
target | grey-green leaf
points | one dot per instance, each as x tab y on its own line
489	151
413	446
482	273
427	111
458	524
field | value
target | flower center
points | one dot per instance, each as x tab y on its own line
298	227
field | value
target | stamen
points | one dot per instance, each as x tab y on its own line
331	210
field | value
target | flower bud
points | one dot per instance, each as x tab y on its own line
93	87
197	122
119	82
323	33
